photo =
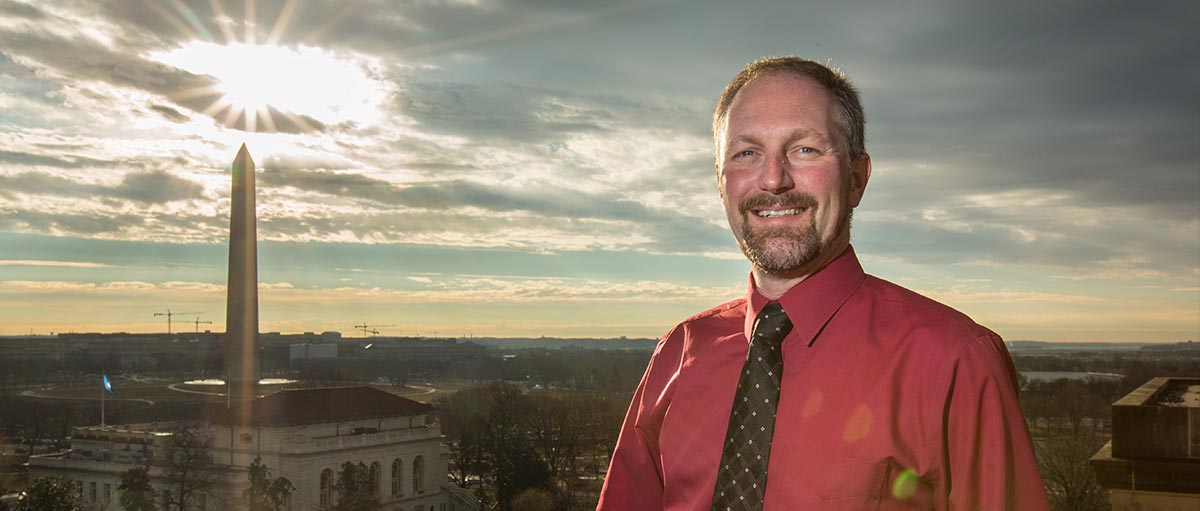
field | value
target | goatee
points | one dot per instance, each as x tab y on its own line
781	249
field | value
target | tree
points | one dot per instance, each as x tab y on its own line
52	494
264	493
534	499
188	466
1069	478
556	424
136	492
463	416
354	489
513	464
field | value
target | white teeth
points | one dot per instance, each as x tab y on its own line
782	212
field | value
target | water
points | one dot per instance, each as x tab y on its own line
264	381
1070	375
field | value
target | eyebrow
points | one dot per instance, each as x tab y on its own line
795	135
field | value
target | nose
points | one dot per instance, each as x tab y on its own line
776	177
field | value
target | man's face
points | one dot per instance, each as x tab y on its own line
784	175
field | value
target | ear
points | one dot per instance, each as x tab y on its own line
860	173
720	187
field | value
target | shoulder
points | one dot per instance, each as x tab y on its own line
900	309
727	317
731	310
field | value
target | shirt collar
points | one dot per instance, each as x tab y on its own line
811	303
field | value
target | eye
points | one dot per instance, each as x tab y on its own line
743	154
803	153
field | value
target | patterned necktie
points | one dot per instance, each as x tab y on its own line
742	475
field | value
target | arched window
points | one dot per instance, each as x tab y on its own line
418	475
326	488
374	474
397	477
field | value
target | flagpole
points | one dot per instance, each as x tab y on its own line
102	391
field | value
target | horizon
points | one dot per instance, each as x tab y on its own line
505	170
503	338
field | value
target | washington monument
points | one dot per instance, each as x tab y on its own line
241	307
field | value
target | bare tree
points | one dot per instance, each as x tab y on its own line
52	494
463	417
136	492
264	493
1069	478
187	466
354	489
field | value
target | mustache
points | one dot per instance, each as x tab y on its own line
789	200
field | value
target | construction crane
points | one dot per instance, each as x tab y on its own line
168	314
198	324
371	329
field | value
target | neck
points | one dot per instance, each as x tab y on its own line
775	285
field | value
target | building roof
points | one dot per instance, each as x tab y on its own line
330	404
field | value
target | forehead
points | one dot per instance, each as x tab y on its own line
781	101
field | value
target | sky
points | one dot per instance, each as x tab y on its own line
528	168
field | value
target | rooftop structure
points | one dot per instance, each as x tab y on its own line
1153	460
304	435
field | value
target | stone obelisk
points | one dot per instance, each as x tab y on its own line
241	306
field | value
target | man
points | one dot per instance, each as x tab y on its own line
859	393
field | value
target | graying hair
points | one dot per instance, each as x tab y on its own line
848	113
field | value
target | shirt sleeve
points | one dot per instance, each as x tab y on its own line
987	455
634	481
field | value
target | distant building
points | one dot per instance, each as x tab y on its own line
311	350
1153	460
304	435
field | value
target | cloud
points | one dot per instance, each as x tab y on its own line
156	188
1025	143
143	187
70	161
59	224
499	112
54	264
59	55
169	113
447	290
964	295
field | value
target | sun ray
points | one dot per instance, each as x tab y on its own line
195	92
190	17
217	106
172	19
222	21
249	23
324	28
268	121
305	125
281	22
231	116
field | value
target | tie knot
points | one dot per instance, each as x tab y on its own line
772	323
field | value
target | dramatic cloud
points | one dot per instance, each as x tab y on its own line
1024	156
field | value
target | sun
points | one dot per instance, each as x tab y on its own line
253	82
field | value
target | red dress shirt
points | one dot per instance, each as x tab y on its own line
889	401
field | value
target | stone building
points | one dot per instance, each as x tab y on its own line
1153	460
304	435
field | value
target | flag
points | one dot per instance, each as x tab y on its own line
107	384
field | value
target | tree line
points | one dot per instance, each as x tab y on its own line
527	450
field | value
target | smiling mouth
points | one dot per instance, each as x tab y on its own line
775	213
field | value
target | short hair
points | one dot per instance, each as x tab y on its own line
848	113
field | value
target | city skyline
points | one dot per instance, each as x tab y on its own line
521	169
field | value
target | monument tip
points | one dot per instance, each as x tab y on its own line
243	155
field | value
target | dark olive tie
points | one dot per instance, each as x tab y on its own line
742	475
